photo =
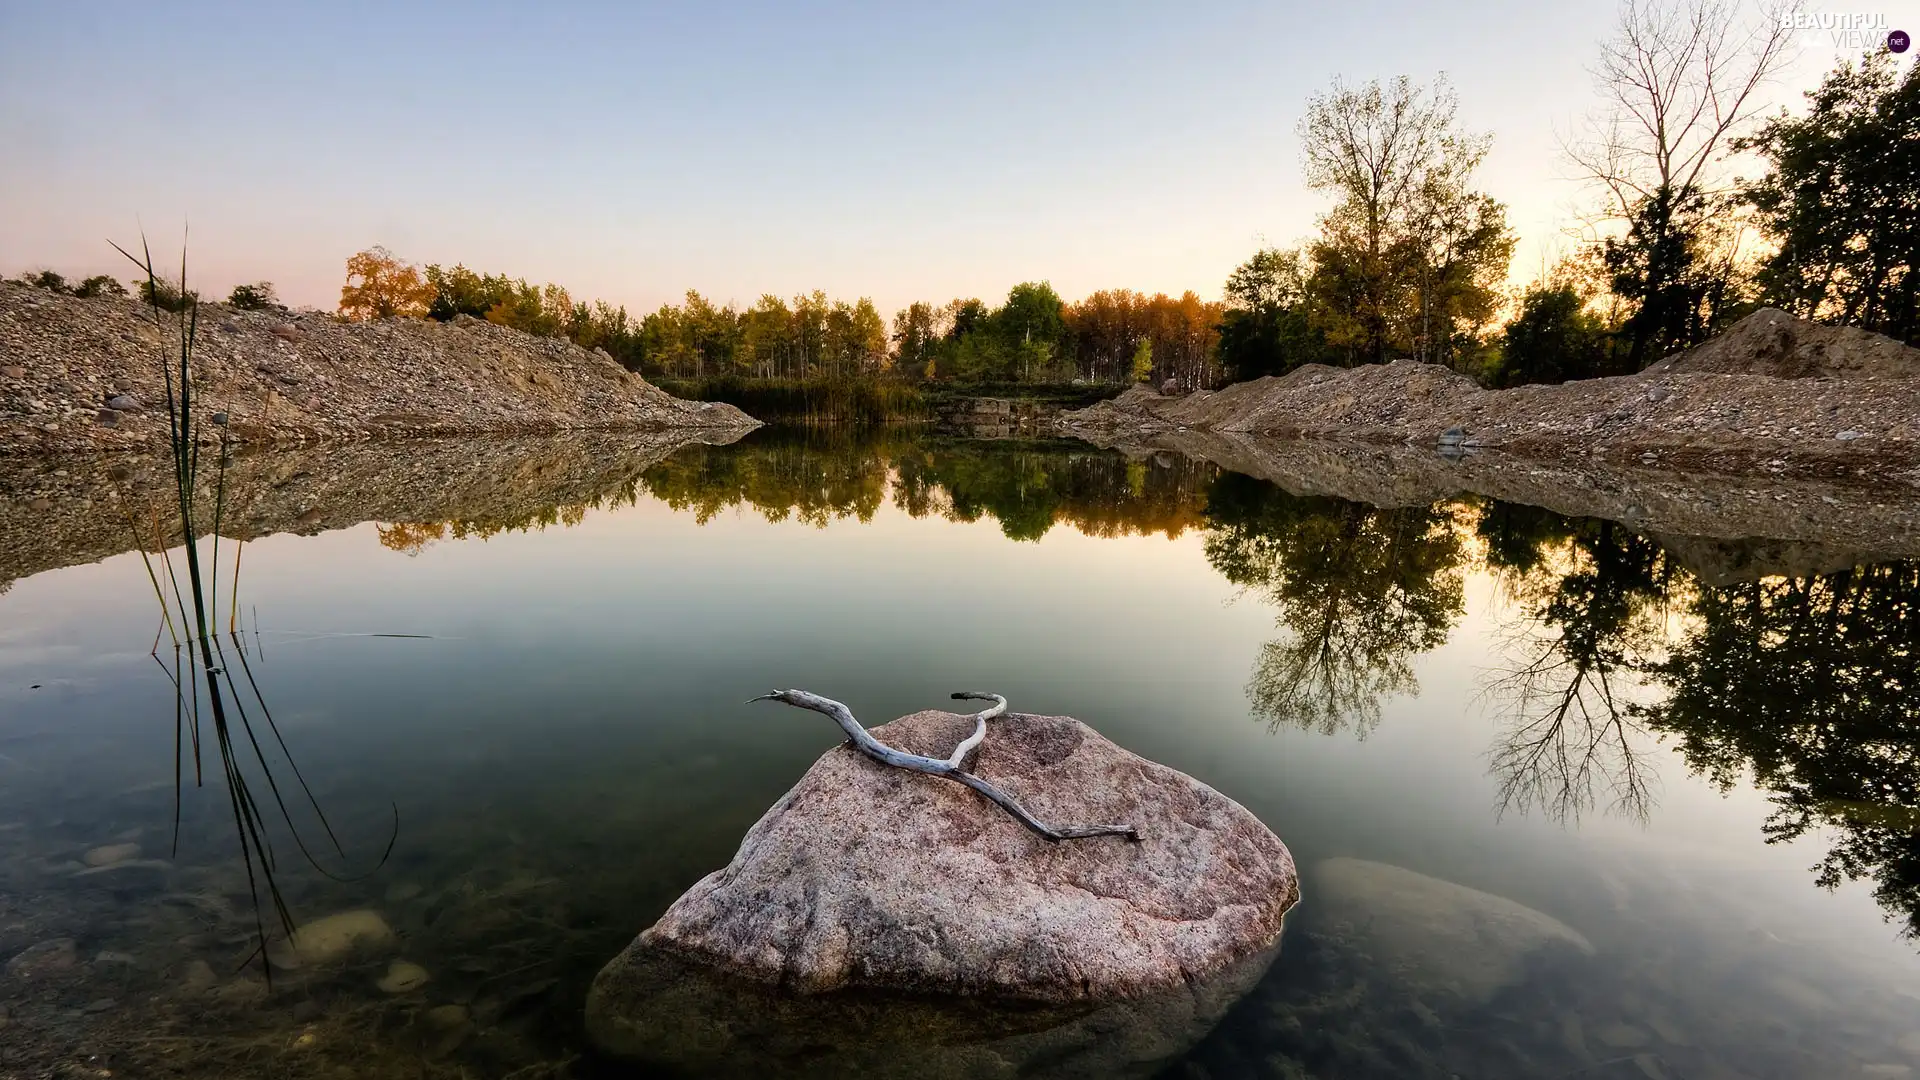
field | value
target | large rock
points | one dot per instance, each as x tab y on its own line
1434	938
873	878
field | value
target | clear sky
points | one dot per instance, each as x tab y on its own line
633	151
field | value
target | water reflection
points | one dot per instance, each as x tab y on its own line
1809	687
534	850
1607	641
1590	602
1361	591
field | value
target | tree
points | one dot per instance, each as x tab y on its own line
1553	339
1266	327
258	296
381	286
1141	370
460	291
1678	78
1840	197
916	337
1360	592
1408	251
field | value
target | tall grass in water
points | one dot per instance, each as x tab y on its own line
204	663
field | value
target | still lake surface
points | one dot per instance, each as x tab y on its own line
1707	780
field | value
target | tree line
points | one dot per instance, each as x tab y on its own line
1409	260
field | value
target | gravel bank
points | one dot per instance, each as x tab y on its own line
79	375
1814	401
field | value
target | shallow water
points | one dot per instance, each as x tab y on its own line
1709	777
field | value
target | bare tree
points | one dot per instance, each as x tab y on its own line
1679	80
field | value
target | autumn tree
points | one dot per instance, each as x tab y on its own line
381	286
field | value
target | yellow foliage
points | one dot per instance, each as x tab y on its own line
381	286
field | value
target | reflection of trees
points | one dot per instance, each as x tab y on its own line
1812	685
1592	599
1360	591
412	537
1028	488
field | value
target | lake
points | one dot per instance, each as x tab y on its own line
1673	781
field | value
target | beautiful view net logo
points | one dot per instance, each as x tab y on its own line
1847	30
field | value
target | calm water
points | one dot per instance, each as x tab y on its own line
1706	792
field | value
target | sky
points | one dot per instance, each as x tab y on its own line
633	151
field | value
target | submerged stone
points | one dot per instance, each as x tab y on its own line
108	854
871	878
403	976
332	938
53	957
1431	936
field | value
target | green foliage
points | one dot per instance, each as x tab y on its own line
99	285
50	281
1410	259
1554	338
1841	198
258	296
1268	327
546	311
1141	369
164	295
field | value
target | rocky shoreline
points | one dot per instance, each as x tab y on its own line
85	374
1775	397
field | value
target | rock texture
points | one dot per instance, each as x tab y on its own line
865	876
85	374
1775	396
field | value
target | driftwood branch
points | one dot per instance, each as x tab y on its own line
951	768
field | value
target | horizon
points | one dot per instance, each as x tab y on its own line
857	150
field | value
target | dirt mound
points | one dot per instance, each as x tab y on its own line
85	374
1773	343
1860	421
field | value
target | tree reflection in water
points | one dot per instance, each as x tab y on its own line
1810	686
1360	591
1590	601
1804	682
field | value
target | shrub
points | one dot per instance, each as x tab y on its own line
99	285
166	296
258	296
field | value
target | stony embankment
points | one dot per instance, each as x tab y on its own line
1774	397
86	375
79	508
